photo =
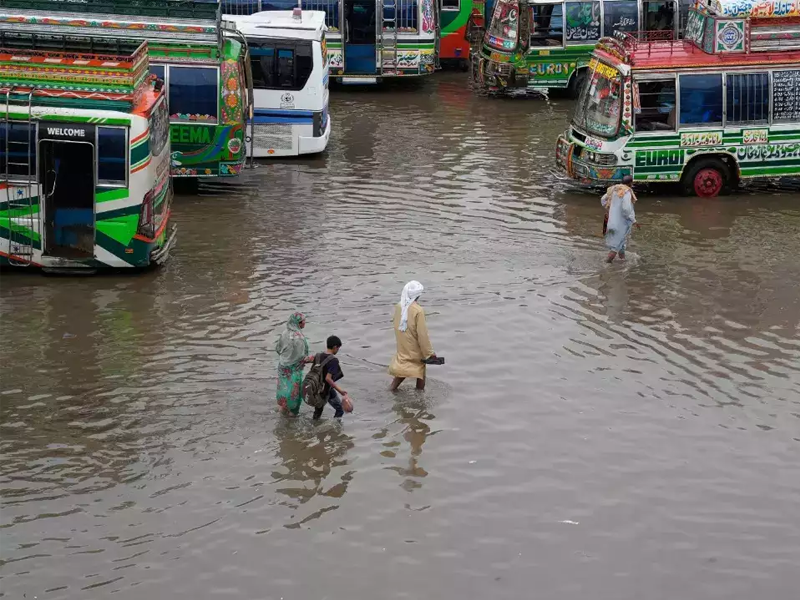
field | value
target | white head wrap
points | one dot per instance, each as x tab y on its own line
411	292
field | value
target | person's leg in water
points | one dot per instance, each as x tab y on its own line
611	256
622	252
420	384
336	403
396	383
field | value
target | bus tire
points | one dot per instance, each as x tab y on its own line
576	83
706	178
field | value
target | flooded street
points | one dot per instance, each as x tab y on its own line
607	432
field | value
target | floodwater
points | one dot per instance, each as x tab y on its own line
608	432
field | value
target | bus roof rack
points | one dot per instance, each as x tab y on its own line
167	9
64	71
176	21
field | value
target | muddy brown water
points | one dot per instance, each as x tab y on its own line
599	432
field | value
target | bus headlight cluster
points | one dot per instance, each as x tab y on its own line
601	158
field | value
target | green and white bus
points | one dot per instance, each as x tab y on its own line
544	44
719	106
84	155
204	63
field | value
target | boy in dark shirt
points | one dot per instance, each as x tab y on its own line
332	372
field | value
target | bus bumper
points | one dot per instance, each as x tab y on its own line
573	160
160	255
315	145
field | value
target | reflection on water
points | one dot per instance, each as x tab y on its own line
597	429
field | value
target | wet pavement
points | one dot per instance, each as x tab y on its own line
622	432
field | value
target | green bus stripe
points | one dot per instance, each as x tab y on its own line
771	163
109	195
664	169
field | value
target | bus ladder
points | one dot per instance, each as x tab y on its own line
388	37
21	204
437	47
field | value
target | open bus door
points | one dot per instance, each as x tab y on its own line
360	37
66	168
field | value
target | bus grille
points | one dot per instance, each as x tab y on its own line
275	136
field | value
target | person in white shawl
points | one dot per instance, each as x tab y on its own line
411	334
618	202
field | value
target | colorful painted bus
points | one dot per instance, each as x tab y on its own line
84	154
544	44
368	40
290	82
721	105
205	67
454	16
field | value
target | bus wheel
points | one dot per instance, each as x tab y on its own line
707	178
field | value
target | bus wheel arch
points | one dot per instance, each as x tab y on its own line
710	175
576	81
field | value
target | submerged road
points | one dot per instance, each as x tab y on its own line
621	432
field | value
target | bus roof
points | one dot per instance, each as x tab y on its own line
180	21
757	9
309	25
682	54
71	76
196	10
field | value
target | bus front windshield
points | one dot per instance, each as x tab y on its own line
502	31
600	102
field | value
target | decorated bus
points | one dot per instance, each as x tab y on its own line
290	82
544	44
721	105
84	154
205	67
455	17
368	40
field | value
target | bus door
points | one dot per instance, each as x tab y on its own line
659	15
360	31
66	174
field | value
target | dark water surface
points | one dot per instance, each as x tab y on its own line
624	432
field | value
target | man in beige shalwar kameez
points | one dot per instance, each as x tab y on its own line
411	333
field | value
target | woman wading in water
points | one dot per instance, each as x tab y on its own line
411	334
292	350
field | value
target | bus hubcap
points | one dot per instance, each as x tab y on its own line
708	183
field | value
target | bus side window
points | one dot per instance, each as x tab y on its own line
701	99
547	25
451	4
20	153
262	65
657	106
748	98
659	15
112	149
194	91
583	21
285	74
305	64
620	16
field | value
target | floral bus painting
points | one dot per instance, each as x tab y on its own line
204	64
84	155
383	38
719	106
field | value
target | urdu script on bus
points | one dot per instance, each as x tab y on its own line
768	151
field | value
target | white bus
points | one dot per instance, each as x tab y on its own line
290	82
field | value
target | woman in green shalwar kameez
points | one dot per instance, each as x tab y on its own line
292	350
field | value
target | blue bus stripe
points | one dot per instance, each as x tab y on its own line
298	121
282	113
